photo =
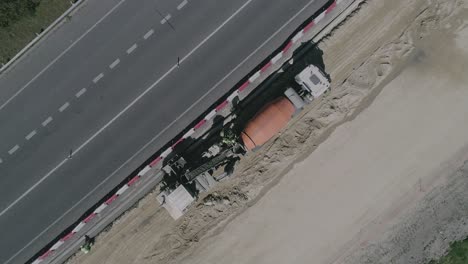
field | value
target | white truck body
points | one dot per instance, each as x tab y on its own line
313	80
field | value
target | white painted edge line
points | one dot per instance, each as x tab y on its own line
57	245
132	48
148	34
319	17
144	170
37	261
136	100
182	4
148	89
166	152
277	57
97	78
64	106
122	189
297	36
61	55
1	161
210	115
100	208
113	64
254	77
40	36
78	227
47	121
30	135
189	133
80	93
13	149
126	185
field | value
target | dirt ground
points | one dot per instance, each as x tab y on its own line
374	172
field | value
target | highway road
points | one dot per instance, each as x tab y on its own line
106	86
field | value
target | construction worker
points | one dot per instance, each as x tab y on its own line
86	247
228	137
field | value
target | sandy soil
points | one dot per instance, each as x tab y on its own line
371	173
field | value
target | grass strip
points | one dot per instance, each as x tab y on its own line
17	34
458	254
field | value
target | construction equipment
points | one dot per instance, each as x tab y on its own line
313	80
212	158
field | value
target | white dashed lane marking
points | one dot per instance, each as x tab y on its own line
132	48
165	19
129	106
97	78
80	93
30	135
117	61
181	5
64	106
47	121
148	34
13	150
61	55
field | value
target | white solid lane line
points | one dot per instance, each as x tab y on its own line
21	197
113	64
181	5
148	34
97	78
155	137
31	134
61	55
112	121
80	93
132	48
13	149
64	106
47	121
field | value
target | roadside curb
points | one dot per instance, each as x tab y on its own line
42	35
150	175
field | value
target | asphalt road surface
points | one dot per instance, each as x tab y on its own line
107	88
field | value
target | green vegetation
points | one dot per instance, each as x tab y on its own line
12	10
20	20
458	254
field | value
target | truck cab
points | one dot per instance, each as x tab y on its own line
313	81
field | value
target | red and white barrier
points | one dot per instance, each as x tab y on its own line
189	133
90	217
